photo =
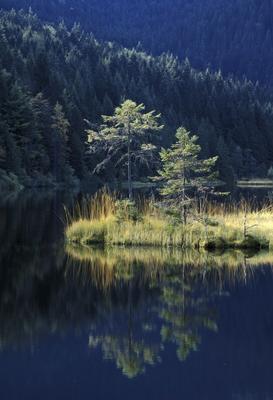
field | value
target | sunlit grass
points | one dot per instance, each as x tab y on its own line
220	225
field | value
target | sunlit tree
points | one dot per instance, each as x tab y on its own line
125	137
184	173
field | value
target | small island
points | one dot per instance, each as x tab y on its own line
189	211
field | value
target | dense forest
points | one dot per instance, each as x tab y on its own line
233	35
52	78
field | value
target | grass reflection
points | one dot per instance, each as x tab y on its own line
178	305
105	267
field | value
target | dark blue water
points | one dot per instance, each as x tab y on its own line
67	334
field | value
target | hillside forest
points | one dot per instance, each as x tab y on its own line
54	78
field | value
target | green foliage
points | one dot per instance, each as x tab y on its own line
131	355
60	125
227	35
184	174
126	210
124	136
43	65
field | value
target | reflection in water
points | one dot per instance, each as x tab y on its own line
182	286
107	267
31	263
136	308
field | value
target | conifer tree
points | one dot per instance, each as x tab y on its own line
234	119
184	174
224	163
60	126
125	137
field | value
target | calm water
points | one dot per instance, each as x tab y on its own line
77	323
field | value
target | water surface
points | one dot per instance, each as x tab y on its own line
80	323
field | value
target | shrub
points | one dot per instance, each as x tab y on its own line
126	210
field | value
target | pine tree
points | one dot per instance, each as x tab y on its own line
232	118
184	174
3	151
60	126
12	156
224	163
42	125
125	136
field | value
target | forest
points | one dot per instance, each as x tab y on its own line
136	199
53	79
232	35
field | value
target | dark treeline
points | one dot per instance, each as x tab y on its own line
52	78
234	35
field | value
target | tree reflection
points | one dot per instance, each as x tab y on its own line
184	311
183	287
124	332
130	355
131	303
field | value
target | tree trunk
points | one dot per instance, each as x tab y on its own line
184	214
184	207
130	186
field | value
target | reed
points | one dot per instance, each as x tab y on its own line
100	221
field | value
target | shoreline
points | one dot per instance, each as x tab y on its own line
128	235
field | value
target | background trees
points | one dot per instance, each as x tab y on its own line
233	119
60	126
232	35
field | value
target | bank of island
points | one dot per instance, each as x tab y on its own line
106	221
186	213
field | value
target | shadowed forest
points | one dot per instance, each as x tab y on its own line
53	78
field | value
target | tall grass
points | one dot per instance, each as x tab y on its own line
97	221
99	207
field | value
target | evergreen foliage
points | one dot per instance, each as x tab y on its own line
53	78
123	136
184	173
232	35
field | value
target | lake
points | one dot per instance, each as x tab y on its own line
83	323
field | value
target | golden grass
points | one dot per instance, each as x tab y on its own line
230	221
95	222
